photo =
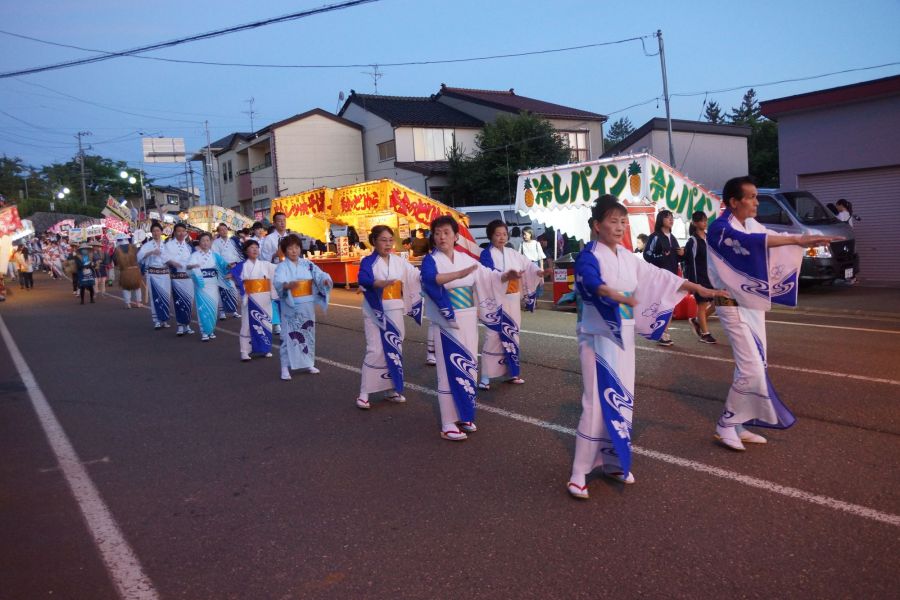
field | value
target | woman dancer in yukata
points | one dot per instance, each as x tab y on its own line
500	353
178	255
456	286
152	258
622	295
253	278
207	269
301	286
758	267
391	288
229	248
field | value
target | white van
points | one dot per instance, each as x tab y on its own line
480	216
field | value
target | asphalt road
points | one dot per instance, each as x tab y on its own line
226	482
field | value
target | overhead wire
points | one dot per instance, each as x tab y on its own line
193	38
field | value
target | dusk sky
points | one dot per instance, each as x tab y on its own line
709	46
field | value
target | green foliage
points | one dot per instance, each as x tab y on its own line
508	145
762	146
102	180
618	131
713	113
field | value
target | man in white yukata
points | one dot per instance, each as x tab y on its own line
269	251
758	267
229	249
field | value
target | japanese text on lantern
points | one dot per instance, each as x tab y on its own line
301	204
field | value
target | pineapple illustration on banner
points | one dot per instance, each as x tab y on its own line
634	178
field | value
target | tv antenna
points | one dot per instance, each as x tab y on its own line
375	75
250	112
339	102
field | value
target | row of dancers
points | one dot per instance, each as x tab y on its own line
618	297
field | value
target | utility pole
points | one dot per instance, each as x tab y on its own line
211	179
79	135
662	64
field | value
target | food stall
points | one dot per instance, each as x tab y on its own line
362	206
208	218
562	196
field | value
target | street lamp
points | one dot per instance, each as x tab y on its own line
61	195
132	180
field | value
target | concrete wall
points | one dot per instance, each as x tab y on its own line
839	138
707	159
317	151
228	190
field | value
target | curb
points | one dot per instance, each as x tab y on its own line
841	311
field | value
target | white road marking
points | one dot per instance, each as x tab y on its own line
888	331
121	562
769	486
722	359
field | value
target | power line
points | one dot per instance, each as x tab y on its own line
338	66
194	38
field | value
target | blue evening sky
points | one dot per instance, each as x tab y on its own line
709	46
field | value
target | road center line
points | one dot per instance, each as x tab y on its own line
121	562
769	486
715	358
762	484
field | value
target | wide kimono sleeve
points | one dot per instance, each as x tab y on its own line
657	295
322	285
532	282
222	271
754	275
237	276
607	318
196	273
437	301
490	289
144	253
281	276
412	291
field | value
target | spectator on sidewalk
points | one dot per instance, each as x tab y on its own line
87	271
662	250
695	271
26	269
532	248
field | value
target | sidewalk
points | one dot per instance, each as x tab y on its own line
850	300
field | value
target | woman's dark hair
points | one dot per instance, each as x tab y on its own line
443	220
494	225
528	230
256	225
377	231
203	235
663	214
603	206
846	204
221	225
698	215
155	225
249	243
291	239
734	188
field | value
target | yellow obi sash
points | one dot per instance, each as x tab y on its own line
512	286
461	297
257	286
304	288
393	291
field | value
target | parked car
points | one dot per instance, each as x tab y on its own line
800	212
480	216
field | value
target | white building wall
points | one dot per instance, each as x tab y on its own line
228	190
317	151
375	131
405	145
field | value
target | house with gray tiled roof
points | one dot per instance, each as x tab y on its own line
583	129
408	138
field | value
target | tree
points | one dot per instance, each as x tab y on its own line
762	146
504	147
618	131
713	113
748	112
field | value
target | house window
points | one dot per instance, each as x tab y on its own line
171	198
432	144
267	159
259	191
224	172
387	150
578	144
230	172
